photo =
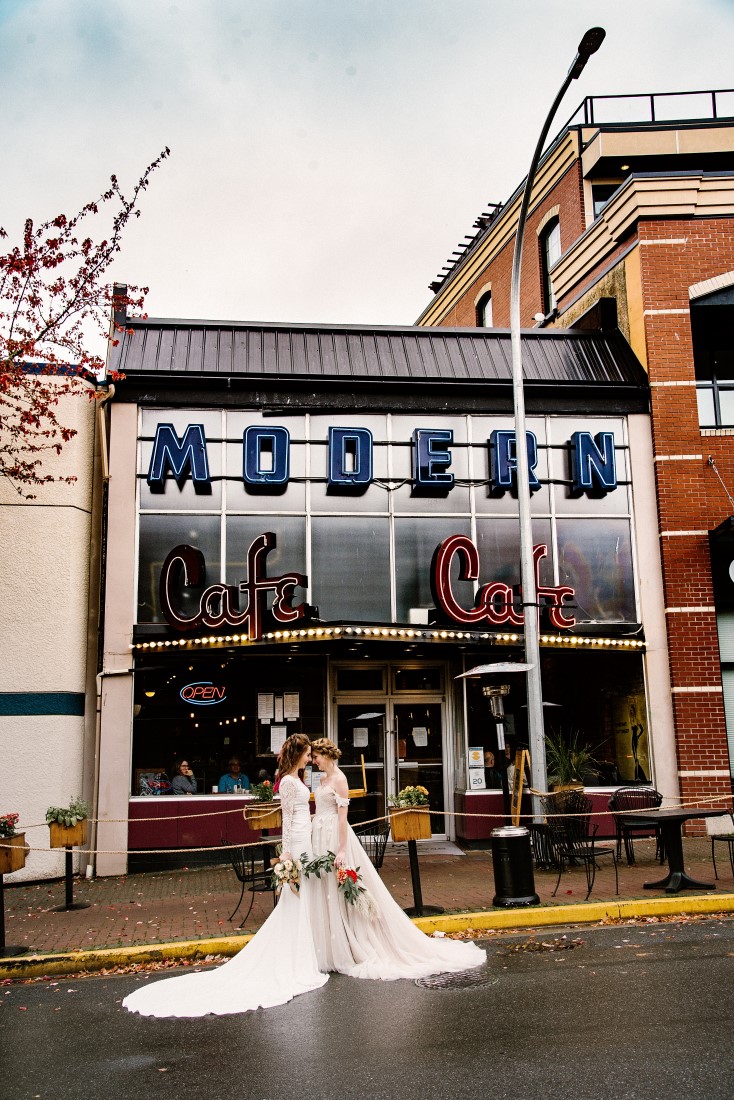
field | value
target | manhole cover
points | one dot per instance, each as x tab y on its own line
465	979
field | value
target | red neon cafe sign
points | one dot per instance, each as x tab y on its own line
494	603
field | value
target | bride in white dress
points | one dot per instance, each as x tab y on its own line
280	961
385	944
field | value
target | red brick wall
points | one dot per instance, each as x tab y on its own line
690	497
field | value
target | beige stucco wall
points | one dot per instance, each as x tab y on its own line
48	549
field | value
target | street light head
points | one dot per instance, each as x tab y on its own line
588	45
591	41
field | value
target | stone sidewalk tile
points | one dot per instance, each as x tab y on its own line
196	903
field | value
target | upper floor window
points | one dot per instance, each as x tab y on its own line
712	319
715	391
484	310
601	194
550	253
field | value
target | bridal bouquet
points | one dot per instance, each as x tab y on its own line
348	880
286	872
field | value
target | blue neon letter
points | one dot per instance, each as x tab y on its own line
180	456
431	462
503	461
350	459
257	439
593	465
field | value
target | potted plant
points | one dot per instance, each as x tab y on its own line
68	824
261	813
410	816
568	759
12	845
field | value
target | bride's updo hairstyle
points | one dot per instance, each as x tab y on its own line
293	748
324	747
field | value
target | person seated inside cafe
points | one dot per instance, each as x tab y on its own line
234	778
183	781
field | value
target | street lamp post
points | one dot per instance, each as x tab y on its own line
589	44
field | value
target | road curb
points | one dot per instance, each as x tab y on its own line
73	962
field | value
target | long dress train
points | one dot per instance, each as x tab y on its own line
386	945
276	965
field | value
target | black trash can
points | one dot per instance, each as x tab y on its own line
513	867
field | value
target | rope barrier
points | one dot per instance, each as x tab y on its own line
699	803
397	811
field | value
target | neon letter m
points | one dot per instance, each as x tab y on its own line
181	456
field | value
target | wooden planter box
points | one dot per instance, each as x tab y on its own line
12	858
263	815
410	824
71	837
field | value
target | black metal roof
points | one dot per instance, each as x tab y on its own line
158	350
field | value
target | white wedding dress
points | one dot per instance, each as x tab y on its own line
385	945
276	965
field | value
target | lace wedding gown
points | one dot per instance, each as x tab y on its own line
386	945
276	965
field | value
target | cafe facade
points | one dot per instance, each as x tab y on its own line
315	529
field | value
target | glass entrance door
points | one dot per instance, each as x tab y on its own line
402	745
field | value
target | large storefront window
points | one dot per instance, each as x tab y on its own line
367	549
597	697
209	709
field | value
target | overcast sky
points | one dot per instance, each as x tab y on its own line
327	155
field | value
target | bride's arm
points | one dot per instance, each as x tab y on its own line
287	792
341	790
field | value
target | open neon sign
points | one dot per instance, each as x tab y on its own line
204	693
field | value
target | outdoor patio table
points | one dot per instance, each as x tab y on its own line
670	821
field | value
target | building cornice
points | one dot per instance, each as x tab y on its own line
684	195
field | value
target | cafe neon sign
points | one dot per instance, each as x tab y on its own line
494	602
219	604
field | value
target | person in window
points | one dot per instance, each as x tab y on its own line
183	781
234	778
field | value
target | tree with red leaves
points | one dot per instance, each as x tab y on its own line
55	304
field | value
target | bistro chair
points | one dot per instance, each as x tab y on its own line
373	839
572	841
721	829
635	798
243	862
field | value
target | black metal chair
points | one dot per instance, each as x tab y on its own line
373	839
243	862
635	798
572	840
721	829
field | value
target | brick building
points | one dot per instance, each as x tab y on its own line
630	225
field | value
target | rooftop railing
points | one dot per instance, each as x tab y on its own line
654	107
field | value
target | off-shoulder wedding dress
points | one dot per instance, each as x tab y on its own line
385	944
276	965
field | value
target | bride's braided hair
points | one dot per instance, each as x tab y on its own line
293	747
325	747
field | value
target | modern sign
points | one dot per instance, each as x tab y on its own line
266	460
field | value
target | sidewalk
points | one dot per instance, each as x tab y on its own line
167	907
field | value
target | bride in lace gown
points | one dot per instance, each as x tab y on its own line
280	961
386	944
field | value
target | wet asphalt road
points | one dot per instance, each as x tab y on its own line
632	1013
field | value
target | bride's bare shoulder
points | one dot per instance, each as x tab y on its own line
340	783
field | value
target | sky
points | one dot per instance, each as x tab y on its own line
326	155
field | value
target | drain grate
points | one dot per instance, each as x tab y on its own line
465	979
